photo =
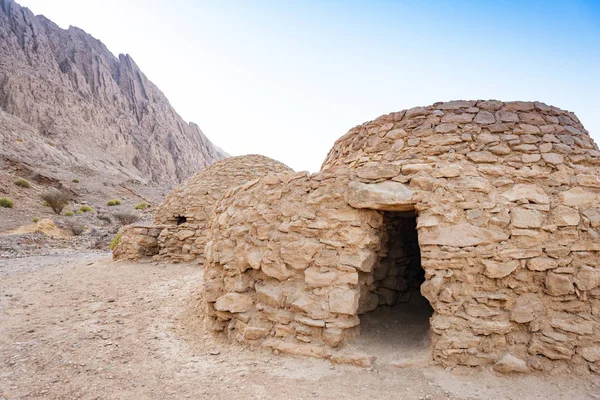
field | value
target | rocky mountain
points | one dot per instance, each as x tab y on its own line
70	107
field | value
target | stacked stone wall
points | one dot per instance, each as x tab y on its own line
188	209
284	261
182	243
137	242
195	200
508	204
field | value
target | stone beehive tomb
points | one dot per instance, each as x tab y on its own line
180	229
490	210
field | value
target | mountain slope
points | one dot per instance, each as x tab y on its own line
68	104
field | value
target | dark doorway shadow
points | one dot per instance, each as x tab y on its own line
397	330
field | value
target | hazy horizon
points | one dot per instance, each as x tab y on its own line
286	79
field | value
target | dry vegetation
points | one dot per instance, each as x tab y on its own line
6	202
24	183
126	218
56	199
76	228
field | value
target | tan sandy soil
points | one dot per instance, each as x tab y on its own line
82	327
45	226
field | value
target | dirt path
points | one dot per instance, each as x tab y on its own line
83	327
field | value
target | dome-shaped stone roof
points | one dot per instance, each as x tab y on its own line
195	200
516	134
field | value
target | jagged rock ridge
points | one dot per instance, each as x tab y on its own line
68	104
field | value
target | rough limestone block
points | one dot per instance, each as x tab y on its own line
298	255
482	157
460	235
499	269
593	215
255	332
542	263
530	192
509	363
315	307
592	181
343	301
524	218
526	308
553	351
385	196
484	118
319	276
380	171
570	323
363	260
558	284
333	336
565	216
431	287
276	269
184	234
577	197
234	303
488	327
588	278
590	353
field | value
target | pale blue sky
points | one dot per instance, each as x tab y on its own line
287	78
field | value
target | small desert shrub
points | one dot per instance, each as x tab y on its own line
75	180
35	220
142	206
76	227
24	183
69	213
84	209
115	202
115	241
6	203
105	218
126	218
56	199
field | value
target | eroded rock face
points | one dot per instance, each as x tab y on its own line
66	103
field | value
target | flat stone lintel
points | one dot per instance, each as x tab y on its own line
384	196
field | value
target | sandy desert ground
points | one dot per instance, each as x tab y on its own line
79	326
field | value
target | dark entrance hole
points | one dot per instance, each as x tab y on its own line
181	220
395	324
